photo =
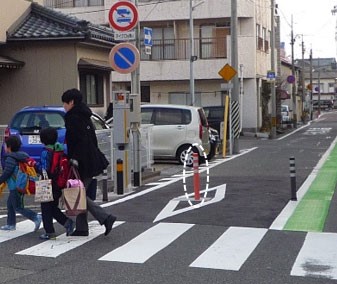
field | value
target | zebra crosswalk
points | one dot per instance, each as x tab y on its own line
230	250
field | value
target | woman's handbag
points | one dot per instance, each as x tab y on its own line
74	195
43	190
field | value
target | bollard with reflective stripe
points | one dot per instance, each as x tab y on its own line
292	170
119	169
105	185
196	177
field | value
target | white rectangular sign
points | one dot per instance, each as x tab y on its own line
124	36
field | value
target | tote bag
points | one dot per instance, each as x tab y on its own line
74	195
43	191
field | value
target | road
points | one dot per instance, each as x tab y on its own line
246	230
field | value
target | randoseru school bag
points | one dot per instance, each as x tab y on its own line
26	176
59	168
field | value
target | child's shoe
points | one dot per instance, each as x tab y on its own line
37	222
8	228
46	236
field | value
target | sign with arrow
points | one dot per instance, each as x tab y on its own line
169	209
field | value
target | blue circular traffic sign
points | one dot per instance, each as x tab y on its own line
124	58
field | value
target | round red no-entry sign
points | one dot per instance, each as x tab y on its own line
123	16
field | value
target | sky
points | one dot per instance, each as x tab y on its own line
313	20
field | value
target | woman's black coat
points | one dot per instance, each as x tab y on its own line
82	142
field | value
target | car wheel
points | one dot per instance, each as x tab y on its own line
181	155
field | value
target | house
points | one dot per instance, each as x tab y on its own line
44	52
165	74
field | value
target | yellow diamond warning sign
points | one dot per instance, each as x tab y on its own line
227	72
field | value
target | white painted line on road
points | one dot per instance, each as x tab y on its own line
294	131
62	244
231	250
169	209
289	209
147	244
317	257
22	228
164	184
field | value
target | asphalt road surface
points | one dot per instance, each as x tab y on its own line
236	233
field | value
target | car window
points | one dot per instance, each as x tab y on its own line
37	120
146	114
171	116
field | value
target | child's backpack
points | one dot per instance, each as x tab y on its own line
59	168
26	176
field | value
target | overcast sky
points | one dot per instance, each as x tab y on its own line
313	20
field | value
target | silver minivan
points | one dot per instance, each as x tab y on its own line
175	129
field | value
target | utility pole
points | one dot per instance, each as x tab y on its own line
302	73
234	63
272	55
311	107
293	74
191	55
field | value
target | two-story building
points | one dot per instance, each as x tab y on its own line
165	74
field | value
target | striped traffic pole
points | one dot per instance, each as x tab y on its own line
196	177
292	178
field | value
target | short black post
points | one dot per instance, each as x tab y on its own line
105	185
292	178
120	174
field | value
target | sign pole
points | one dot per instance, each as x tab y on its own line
135	126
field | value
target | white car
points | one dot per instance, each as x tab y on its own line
175	129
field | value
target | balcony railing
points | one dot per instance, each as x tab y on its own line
179	49
72	3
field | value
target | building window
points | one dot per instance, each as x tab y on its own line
91	86
72	3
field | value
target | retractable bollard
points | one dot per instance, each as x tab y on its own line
196	177
292	178
105	185
119	169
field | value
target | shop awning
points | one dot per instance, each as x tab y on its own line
85	63
10	63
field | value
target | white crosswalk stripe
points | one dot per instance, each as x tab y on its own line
317	256
62	244
147	244
230	251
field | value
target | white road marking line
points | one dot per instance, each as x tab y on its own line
62	244
231	250
22	228
147	244
164	184
317	256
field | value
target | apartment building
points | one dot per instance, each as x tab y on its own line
165	73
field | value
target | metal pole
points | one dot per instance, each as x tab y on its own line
234	63
135	89
293	74
311	108
272	55
192	55
319	92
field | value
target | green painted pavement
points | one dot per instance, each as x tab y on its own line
312	210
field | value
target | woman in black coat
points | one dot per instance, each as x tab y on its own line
83	147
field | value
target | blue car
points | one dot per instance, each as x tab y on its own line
28	122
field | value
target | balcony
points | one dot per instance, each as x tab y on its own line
179	49
72	3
